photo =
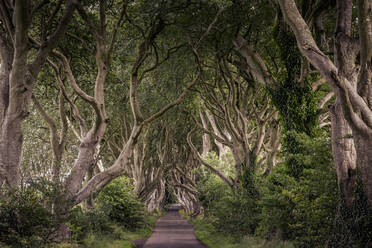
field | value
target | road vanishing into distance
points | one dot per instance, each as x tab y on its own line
171	231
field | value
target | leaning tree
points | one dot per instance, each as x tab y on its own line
113	35
349	73
29	33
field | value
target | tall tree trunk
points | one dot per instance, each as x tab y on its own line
83	162
222	149
15	111
5	68
206	139
363	144
275	144
344	154
350	81
18	80
89	202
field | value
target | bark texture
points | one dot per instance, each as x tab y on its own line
344	154
350	81
18	76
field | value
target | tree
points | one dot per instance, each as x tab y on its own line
349	75
22	56
104	30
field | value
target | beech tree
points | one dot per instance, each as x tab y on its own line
90	127
343	148
23	53
181	96
349	74
240	117
240	70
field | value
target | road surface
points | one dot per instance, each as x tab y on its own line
172	231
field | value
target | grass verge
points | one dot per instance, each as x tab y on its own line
207	234
119	237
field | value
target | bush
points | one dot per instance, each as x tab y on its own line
297	202
211	191
24	222
316	198
119	202
82	223
206	233
276	205
301	206
352	226
229	212
116	204
235	214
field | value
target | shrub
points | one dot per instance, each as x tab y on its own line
301	206
24	221
119	202
315	198
229	212
82	223
276	205
211	191
116	204
352	226
235	214
206	233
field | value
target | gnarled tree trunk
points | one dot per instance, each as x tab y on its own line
18	76
344	154
350	81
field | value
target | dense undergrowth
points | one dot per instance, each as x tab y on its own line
207	233
26	219
298	203
116	237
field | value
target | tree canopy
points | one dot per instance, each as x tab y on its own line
185	97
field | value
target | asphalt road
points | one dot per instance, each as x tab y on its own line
172	231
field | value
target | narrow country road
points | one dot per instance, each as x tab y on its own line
172	231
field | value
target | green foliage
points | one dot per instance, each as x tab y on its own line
119	202
82	223
315	198
295	100
231	212
297	106
210	187
352	226
301	207
300	151
118	236
248	181
98	241
276	205
116	205
211	191
24	221
293	203
235	214
207	233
